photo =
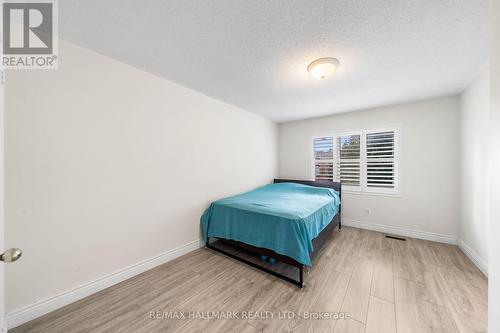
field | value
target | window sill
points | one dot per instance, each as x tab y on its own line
374	194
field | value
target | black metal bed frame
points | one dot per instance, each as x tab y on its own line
299	282
317	242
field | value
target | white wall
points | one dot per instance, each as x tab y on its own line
475	182
429	166
107	165
494	264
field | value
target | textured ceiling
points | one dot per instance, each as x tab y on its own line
254	53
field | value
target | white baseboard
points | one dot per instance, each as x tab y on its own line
473	256
40	308
448	239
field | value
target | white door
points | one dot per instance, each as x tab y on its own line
3	323
3	326
10	255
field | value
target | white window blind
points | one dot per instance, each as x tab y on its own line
323	158
380	160
349	161
364	161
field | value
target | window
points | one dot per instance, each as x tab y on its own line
364	161
380	160
349	161
323	158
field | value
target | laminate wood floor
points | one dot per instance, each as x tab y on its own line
385	285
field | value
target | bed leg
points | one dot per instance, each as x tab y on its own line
301	276
340	225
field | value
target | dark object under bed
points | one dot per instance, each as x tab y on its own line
317	242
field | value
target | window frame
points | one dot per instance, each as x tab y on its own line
363	188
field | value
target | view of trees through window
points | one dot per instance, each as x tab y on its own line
323	155
348	171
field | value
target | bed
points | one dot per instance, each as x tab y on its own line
288	221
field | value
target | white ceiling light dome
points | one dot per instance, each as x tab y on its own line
323	68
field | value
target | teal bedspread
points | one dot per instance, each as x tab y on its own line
283	217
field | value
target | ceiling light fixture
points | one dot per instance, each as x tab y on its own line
323	67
